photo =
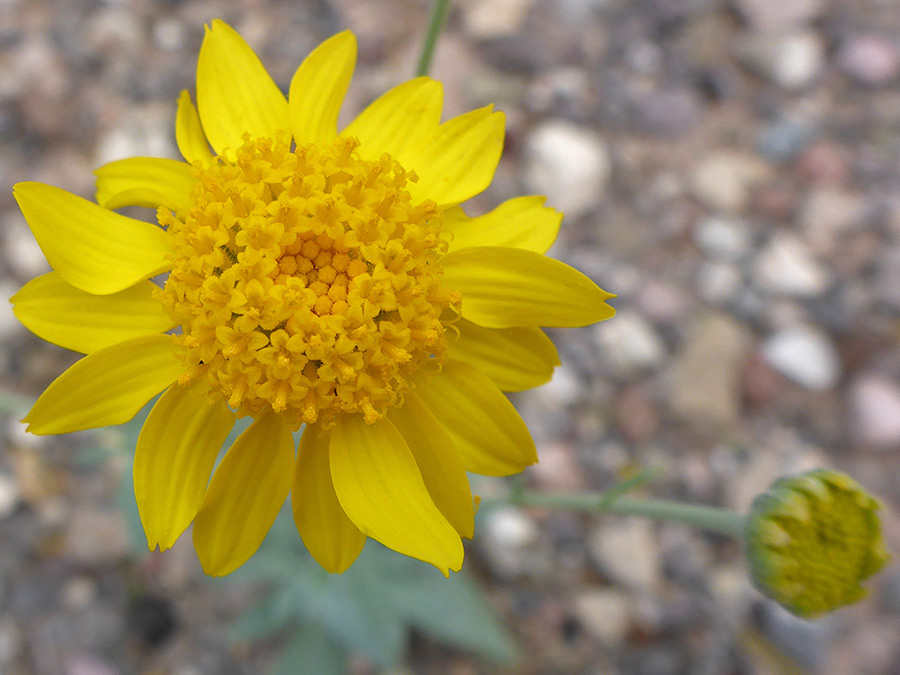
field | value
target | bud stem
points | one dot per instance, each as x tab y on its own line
713	519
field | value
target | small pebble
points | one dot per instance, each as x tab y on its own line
870	60
806	355
569	164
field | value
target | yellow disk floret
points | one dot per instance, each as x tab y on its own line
307	281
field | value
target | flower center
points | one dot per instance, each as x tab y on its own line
307	281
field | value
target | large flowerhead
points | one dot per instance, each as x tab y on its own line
318	280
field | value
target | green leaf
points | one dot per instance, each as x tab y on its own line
312	652
129	510
270	615
369	608
127	436
454	611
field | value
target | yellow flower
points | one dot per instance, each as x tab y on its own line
812	540
314	278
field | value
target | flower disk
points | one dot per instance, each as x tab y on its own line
307	281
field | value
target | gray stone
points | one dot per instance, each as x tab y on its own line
874	402
722	180
829	213
564	88
494	18
723	237
10	640
627	551
569	164
889	595
145	131
169	34
667	112
782	141
9	494
564	387
869	60
805	355
20	249
9	324
605	613
630	343
792	60
704	379
887	277
511	542
718	282
787	266
662	302
803	641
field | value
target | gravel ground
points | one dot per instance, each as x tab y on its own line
731	169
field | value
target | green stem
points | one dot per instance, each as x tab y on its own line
710	518
439	12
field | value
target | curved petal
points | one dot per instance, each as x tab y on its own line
107	387
66	316
523	222
318	89
458	160
189	134
235	94
145	181
437	459
329	535
380	488
488	433
514	358
93	249
400	117
244	496
175	454
505	287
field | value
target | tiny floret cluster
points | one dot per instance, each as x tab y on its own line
307	281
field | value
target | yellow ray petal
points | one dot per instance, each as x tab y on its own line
66	316
144	181
380	488
235	94
505	287
318	89
488	433
189	134
458	160
175	454
244	496
329	535
106	387
92	248
514	358
437	459
523	222
400	117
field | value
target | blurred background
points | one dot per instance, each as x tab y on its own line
729	168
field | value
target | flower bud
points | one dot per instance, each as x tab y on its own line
812	539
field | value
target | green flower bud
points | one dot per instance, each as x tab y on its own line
812	539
